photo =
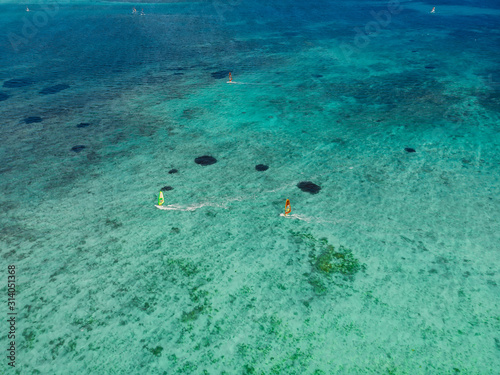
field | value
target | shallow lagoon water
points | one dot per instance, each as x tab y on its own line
392	267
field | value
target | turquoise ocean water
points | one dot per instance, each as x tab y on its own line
391	268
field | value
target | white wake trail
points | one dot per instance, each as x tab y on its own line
193	207
252	83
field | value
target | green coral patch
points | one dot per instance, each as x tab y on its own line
29	337
327	261
318	285
338	261
156	351
193	314
185	266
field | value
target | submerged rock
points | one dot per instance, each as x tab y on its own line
172	171
220	74
309	187
83	125
3	96
77	148
54	89
409	149
261	167
17	82
205	160
167	188
32	119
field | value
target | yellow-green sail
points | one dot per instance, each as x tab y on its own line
160	199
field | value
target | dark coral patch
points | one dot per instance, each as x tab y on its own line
83	125
77	148
309	187
3	96
317	75
54	89
261	167
167	188
178	68
156	351
409	149
221	74
430	67
172	171
17	82
205	160
32	119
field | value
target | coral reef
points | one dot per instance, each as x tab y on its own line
17	82
54	89
309	187
205	160
77	148
32	119
327	262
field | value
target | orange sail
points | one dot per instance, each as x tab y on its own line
288	208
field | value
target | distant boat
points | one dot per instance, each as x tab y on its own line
27	9
433	10
160	199
142	12
134	11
